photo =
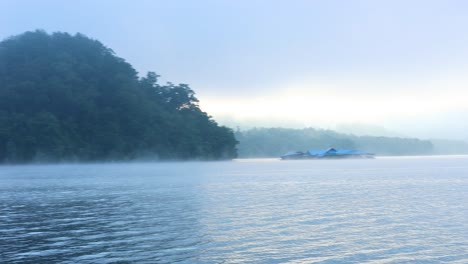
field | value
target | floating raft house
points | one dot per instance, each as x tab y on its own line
327	153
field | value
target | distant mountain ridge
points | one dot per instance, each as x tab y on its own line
361	129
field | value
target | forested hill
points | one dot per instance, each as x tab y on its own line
68	97
273	142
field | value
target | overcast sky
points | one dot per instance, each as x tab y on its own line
398	64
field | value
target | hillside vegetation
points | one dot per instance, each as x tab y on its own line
273	142
69	97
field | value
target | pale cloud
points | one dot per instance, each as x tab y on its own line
406	106
367	101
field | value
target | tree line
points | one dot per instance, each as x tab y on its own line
273	142
68	97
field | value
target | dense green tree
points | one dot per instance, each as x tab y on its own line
68	97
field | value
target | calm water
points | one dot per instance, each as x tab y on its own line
387	210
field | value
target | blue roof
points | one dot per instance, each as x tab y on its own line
334	152
316	152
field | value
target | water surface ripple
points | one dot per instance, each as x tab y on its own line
387	210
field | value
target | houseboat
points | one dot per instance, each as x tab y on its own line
330	153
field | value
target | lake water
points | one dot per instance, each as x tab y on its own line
386	210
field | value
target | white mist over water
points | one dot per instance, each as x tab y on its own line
387	210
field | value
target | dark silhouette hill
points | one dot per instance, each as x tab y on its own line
68	97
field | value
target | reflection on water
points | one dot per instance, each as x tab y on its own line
260	211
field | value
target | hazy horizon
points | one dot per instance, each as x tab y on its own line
396	65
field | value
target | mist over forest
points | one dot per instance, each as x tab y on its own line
272	141
70	98
268	142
